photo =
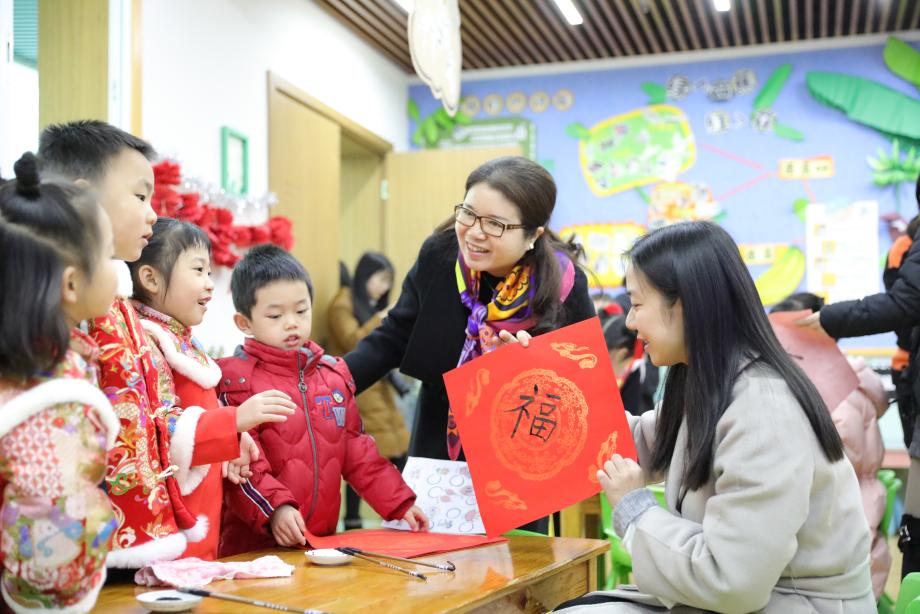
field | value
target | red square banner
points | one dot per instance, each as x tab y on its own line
537	423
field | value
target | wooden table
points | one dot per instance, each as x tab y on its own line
526	574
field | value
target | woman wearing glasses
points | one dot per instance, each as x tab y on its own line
492	273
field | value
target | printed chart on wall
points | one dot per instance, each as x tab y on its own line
842	248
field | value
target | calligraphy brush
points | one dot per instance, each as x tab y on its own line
262	604
357	553
448	566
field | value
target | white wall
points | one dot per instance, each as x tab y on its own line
205	64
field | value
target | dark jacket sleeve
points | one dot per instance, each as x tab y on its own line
883	312
382	350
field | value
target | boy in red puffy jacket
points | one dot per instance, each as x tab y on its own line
295	482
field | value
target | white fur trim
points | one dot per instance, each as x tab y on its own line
206	376
54	392
84	605
167	548
182	448
125	285
199	531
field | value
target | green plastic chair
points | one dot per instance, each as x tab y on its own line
909	595
523	532
892	484
620	561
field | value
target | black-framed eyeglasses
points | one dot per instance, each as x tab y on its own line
489	225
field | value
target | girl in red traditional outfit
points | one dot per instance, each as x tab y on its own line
56	524
172	287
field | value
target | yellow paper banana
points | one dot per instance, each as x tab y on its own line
782	278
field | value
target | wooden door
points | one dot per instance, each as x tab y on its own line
304	165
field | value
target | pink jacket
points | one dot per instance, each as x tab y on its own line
856	419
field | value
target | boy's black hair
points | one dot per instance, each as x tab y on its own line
44	228
262	265
170	238
82	149
799	302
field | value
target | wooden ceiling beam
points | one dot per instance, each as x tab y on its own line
534	48
661	27
915	20
631	28
471	41
780	35
614	24
854	18
675	24
500	45
598	31
885	16
736	29
689	23
748	11
838	19
369	34
764	23
643	23
794	20
370	15
524	12
717	17
566	33
707	32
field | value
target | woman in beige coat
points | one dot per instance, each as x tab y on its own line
355	311
765	510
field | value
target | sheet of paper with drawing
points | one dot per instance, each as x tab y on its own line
444	491
536	423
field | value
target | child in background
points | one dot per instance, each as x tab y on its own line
630	366
352	315
172	287
856	419
55	424
152	518
296	480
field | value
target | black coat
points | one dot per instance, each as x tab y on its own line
423	335
895	310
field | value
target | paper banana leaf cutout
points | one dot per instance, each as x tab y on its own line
903	60
782	278
762	117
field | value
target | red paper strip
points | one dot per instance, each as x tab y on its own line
536	423
401	543
817	355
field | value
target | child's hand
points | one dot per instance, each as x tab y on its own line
417	519
288	527
237	470
522	337
268	406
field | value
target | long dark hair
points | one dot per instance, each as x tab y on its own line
170	238
698	264
531	188
44	228
362	307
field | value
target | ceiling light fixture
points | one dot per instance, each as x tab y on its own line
569	11
722	5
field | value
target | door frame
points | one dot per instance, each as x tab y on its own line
355	131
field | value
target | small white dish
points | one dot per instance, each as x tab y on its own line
327	556
168	601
